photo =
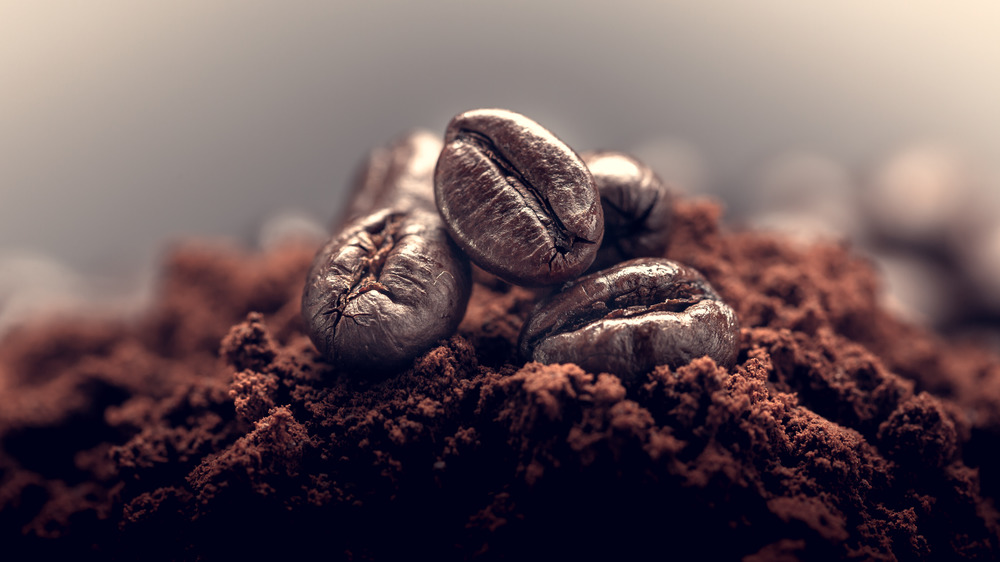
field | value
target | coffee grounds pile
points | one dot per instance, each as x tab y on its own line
213	430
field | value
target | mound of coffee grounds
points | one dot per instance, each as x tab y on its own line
212	429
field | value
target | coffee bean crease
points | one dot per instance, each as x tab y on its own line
630	318
516	199
533	197
385	290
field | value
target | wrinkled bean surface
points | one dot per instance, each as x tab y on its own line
516	199
630	318
385	290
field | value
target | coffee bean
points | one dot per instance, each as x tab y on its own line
630	318
638	208
385	290
399	175
516	199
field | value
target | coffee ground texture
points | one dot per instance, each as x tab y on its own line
212	429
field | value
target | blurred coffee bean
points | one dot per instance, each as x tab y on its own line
398	176
980	261
638	208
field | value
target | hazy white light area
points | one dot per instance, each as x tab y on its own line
922	191
807	195
677	162
286	226
915	289
124	124
34	286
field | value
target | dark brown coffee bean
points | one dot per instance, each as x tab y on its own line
630	318
398	176
516	199
638	208
385	290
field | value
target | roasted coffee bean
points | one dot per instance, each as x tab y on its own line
385	290
516	199
398	176
638	208
630	318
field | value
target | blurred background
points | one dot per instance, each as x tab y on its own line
125	125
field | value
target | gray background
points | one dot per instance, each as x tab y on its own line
125	124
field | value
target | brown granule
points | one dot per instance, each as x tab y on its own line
213	430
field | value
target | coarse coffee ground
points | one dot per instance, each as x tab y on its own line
212	429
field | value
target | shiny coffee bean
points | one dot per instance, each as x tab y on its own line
398	176
630	318
638	208
516	199
385	290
